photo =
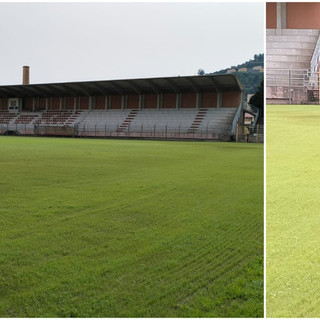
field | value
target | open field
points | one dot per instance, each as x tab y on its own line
293	220
116	228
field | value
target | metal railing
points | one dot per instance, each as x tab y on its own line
248	134
243	133
157	131
295	86
252	110
236	119
315	58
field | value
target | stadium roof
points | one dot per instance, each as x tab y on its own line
218	83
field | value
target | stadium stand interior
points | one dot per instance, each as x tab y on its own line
292	53
163	113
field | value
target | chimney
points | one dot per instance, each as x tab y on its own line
25	76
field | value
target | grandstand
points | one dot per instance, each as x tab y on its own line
292	53
193	107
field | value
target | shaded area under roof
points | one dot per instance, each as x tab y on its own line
218	83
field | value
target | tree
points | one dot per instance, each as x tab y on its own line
257	100
201	72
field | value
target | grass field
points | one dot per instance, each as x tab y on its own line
116	228
293	220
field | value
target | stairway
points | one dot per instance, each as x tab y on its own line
124	125
72	119
290	48
288	56
198	120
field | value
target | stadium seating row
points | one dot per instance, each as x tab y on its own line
145	120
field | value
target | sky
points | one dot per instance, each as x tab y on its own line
65	42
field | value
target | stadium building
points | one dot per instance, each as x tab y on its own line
292	52
192	107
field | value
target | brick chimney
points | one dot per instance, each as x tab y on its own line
25	75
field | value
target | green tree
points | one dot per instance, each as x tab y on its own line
201	72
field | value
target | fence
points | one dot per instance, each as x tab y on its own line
296	86
17	129
247	134
243	133
153	132
64	131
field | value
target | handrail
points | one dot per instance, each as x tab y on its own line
254	111
315	58
236	119
250	108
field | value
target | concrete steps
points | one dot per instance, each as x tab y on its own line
198	120
128	120
290	52
290	48
292	32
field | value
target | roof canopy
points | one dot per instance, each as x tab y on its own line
218	83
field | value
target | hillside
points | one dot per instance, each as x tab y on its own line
250	77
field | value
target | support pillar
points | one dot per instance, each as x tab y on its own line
106	100
281	15
60	104
110	102
140	101
159	101
178	100
47	104
122	101
33	104
90	103
219	100
74	104
143	101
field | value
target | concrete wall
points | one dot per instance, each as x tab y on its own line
42	104
150	101
55	103
169	100
299	15
115	101
84	103
209	100
133	101
188	100
100	102
28	104
303	15
271	12
70	103
230	99
4	104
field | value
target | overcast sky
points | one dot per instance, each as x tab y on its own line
63	42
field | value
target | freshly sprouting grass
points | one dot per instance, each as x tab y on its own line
110	228
293	219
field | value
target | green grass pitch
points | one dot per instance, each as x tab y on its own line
118	228
293	220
